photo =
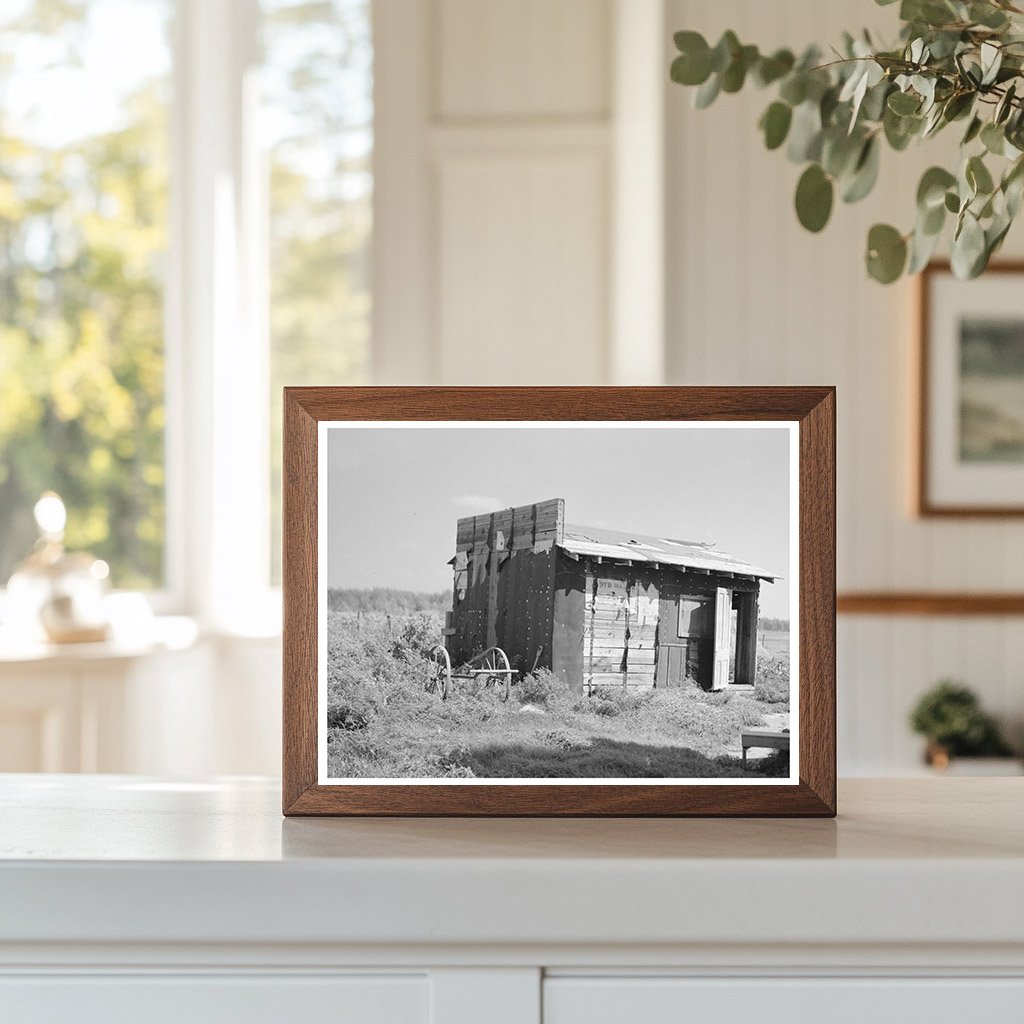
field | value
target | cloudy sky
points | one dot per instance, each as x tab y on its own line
395	493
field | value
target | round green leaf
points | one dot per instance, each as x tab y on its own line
903	103
993	138
805	133
958	106
794	89
775	123
887	253
930	221
900	130
707	93
693	65
735	74
725	49
814	198
922	248
973	130
865	173
840	152
770	69
932	189
978	176
952	202
968	255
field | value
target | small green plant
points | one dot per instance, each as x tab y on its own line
956	61
950	717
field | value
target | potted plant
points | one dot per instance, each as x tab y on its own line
950	718
956	62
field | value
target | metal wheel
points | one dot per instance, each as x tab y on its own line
495	662
439	679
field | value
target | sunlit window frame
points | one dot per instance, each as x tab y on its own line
217	440
216	303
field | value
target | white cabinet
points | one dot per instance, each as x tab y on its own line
202	999
133	899
828	1000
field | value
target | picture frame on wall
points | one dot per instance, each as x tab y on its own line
559	601
970	419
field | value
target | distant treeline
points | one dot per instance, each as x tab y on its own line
386	601
774	625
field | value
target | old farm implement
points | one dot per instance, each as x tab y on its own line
491	668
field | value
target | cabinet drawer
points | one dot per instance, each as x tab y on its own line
661	1000
203	999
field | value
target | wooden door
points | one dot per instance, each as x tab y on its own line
723	638
685	640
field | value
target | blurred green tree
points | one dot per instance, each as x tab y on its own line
83	238
82	233
318	112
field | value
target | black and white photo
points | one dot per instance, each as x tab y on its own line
582	602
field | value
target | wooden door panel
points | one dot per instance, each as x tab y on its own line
723	636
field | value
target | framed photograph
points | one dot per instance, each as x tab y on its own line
559	601
970	449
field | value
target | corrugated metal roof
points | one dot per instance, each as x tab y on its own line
587	540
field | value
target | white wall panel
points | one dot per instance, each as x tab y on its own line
522	285
528	58
754	299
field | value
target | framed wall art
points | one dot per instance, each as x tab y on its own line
970	450
559	601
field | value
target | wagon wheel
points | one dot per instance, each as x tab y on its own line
495	660
439	679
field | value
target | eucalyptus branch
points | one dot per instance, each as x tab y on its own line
955	61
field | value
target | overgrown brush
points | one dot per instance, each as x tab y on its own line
771	680
387	726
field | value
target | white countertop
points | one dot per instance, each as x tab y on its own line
123	859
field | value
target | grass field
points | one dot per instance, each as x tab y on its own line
776	641
383	724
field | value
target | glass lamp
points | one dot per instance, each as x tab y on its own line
56	595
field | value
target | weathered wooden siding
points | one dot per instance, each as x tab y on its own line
620	626
504	584
568	625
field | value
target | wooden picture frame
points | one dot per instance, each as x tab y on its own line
810	409
933	472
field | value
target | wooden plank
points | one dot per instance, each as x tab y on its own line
642	654
598	664
607	649
930	603
567	644
482	529
608	661
609	679
604	627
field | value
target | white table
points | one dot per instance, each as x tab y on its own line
125	898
